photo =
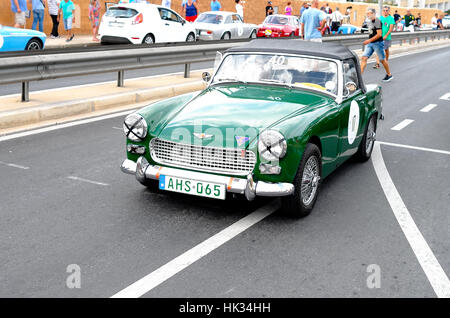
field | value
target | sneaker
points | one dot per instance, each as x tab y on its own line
52	37
388	78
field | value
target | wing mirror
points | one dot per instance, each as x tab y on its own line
350	88
206	77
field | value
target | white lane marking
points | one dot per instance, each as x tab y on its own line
71	124
101	83
118	128
430	265
427	108
87	180
402	124
13	165
445	96
445	152
152	280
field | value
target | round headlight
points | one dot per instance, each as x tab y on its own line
135	127
271	145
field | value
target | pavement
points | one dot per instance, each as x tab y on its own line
77	41
65	204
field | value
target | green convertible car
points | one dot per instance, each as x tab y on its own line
276	118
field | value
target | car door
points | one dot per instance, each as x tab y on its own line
237	30
228	25
352	113
171	27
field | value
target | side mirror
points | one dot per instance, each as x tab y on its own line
206	77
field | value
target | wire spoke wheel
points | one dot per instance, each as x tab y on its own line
310	180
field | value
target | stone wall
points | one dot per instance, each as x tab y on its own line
254	11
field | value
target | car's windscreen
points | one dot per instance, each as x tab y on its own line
210	18
121	12
273	19
279	69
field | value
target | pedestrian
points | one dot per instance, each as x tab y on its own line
166	3
434	21
288	9
409	20
53	6
397	17
215	5
303	8
419	20
387	26
269	8
336	20
240	8
183	4
312	22
38	7
94	17
19	8
375	44
67	11
327	9
190	11
348	11
440	26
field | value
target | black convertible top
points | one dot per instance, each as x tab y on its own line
327	50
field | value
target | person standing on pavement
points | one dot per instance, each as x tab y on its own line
288	9
434	21
440	26
215	5
397	17
409	20
166	3
418	20
94	17
336	20
303	8
240	8
190	11
375	44
312	21
53	6
19	8
38	7
67	11
387	22
269	8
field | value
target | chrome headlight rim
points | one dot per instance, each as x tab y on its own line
135	127
265	147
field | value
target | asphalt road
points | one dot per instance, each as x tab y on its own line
117	232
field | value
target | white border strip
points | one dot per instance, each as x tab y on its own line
427	108
445	152
430	265
152	280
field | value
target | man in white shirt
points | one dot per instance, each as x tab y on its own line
434	21
240	8
336	20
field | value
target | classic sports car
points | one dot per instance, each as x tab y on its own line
216	25
277	117
14	39
279	25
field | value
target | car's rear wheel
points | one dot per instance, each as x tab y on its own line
190	37
306	183
148	39
226	36
33	44
368	140
253	35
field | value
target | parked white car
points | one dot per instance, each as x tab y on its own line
144	23
446	22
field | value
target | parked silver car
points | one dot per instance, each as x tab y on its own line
216	25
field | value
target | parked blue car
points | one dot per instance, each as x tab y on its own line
14	39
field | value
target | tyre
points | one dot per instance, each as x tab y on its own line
306	183
190	38
148	39
253	35
292	35
368	140
226	36
33	44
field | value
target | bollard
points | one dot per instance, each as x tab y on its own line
187	70
120	78
25	91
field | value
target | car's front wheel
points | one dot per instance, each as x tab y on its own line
368	140
190	38
33	44
306	183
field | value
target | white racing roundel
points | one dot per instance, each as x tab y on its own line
1	41
240	30
353	122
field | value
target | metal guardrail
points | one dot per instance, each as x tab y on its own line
25	69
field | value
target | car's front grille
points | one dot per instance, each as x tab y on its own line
209	159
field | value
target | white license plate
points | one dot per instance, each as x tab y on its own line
193	187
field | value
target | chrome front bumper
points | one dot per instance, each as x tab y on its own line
143	171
